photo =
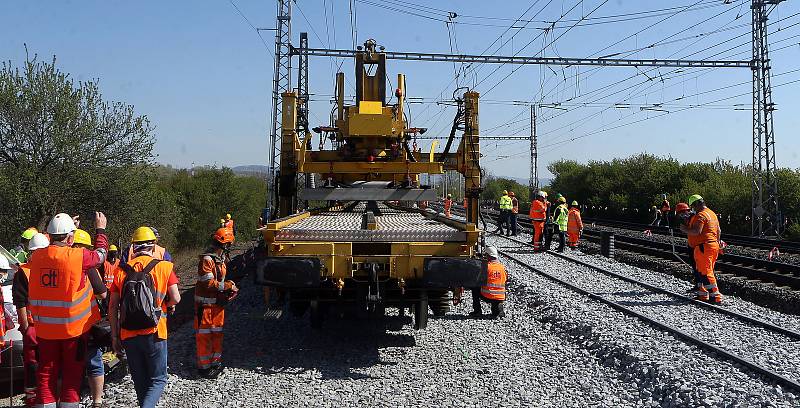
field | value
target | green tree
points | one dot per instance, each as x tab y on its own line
64	148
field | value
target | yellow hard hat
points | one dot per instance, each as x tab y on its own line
505	192
227	216
562	199
29	233
113	247
82	237
143	234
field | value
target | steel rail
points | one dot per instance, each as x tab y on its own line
528	60
764	324
779	273
772	375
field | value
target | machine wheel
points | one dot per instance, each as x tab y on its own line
421	313
315	314
439	302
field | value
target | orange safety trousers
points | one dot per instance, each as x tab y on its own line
538	232
572	239
705	257
208	324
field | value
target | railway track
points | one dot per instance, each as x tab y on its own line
760	346
733	239
762	270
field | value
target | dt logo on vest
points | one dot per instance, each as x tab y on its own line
49	278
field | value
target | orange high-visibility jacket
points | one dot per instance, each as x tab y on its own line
211	273
709	233
60	295
495	287
538	211
161	273
448	203
574	221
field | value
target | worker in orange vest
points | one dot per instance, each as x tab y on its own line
110	265
62	280
703	234
574	225
514	212
538	215
211	293
494	291
448	204
664	210
228	224
19	292
138	312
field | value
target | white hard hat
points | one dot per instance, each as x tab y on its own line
38	241
61	224
491	252
541	194
4	265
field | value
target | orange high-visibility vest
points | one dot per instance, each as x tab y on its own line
538	211
574	221
60	295
495	287
110	271
27	271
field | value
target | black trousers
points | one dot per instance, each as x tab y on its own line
504	215
562	240
513	220
497	305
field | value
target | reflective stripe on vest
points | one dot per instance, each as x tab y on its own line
205	300
205	278
60	298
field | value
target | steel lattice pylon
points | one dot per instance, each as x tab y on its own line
766	216
281	83
534	176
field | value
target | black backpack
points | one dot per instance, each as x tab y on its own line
138	308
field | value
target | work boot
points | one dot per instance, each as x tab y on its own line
476	313
203	372
215	371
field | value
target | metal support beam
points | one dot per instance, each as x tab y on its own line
766	217
498	59
281	82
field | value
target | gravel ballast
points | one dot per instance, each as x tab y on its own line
554	348
456	361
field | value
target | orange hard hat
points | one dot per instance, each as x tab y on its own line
223	236
681	207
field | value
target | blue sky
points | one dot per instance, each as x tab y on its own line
203	76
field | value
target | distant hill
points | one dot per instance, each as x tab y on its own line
255	170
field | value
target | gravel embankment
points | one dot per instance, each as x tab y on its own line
760	345
456	361
664	368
